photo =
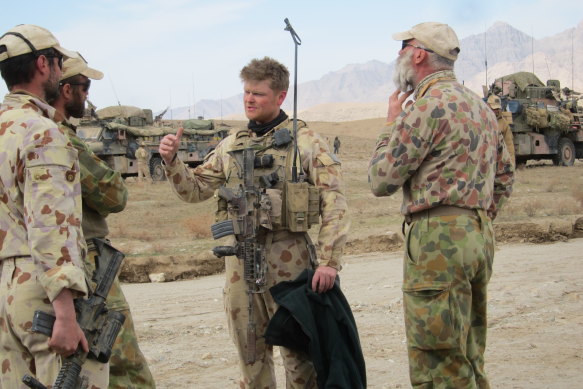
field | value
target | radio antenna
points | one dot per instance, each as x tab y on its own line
297	42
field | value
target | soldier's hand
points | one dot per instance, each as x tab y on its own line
169	146
396	104
67	336
323	279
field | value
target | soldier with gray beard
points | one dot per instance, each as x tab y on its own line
445	151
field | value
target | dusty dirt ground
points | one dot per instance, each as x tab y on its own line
536	307
535	322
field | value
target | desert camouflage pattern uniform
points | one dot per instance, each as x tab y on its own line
41	241
445	149
286	252
104	192
143	166
506	132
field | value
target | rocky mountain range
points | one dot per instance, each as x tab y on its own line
360	91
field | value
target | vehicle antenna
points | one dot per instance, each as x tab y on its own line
486	54
114	92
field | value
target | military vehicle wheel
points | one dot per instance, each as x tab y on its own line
566	154
156	169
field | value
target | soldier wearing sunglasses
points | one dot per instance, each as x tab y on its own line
104	192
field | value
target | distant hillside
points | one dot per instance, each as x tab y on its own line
360	91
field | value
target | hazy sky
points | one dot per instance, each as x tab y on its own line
157	53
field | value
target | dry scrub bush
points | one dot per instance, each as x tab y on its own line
567	207
199	225
577	193
553	185
531	207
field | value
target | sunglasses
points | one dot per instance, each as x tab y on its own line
405	44
59	59
85	85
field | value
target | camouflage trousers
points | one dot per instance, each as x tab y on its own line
128	368
286	257
23	351
447	266
144	171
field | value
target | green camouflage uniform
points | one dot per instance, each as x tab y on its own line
41	241
104	192
286	252
445	149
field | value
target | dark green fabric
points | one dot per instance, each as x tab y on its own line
321	325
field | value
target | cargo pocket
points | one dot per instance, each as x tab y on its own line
430	316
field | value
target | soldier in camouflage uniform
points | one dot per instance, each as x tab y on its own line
287	253
495	104
445	151
41	241
104	192
143	158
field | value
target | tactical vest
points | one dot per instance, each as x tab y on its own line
284	205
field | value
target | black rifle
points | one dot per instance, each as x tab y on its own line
99	325
246	203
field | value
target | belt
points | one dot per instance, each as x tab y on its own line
440	210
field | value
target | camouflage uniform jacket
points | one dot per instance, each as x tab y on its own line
506	132
443	149
103	189
40	194
320	166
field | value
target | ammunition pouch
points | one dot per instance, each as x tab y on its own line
302	209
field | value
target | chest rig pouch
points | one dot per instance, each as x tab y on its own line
281	204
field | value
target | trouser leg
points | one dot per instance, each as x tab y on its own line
128	366
443	274
286	258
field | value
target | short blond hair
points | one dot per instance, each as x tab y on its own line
267	69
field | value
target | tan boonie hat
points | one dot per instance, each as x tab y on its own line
437	37
74	66
28	38
494	102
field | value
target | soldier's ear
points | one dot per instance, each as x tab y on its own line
281	97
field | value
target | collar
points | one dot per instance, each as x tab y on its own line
262	129
47	110
431	79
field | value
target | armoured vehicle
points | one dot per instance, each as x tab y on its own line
115	133
545	119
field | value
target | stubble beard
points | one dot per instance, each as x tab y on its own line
51	86
403	75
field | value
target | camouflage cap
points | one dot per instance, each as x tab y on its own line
28	38
494	102
438	37
74	66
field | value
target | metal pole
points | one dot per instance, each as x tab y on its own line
297	42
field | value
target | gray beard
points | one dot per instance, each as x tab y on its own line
403	75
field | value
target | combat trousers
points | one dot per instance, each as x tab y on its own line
128	368
447	266
23	351
144	171
286	257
